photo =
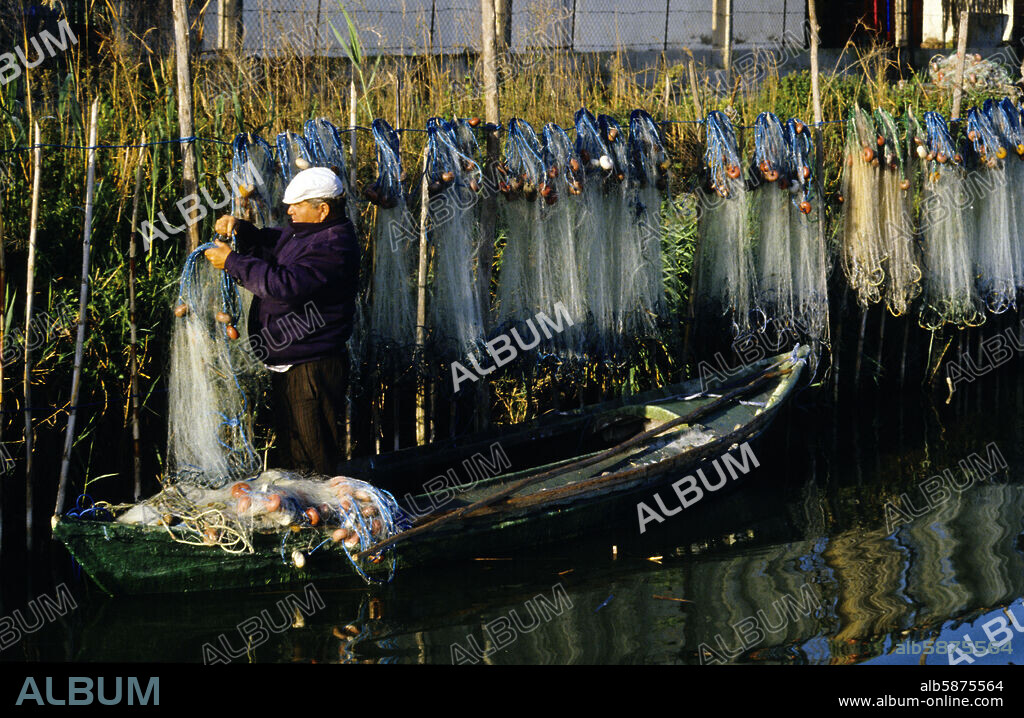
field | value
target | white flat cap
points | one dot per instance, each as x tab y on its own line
314	183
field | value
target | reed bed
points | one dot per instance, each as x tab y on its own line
234	93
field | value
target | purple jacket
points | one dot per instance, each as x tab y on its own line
304	279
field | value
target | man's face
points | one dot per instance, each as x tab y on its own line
308	212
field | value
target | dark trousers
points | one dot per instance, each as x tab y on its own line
309	412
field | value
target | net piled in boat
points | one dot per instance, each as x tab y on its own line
304	518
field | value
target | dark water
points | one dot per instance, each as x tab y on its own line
795	564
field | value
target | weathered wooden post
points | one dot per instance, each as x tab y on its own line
83	308
189	185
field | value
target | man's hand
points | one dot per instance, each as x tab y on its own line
225	225
218	254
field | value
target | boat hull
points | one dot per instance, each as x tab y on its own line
130	559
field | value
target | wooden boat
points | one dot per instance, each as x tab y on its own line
564	475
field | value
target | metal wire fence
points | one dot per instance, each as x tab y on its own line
452	26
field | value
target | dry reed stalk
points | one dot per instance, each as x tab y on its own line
30	272
82	309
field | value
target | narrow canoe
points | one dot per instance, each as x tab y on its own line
608	466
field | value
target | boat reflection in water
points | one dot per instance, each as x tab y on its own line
793	563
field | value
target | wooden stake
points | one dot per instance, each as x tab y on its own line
903	355
961	57
30	273
189	185
3	323
421	305
83	300
691	312
819	151
352	99
488	209
692	71
133	361
860	346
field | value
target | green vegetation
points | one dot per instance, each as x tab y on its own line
267	95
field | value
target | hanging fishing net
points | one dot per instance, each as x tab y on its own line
562	216
770	203
309	518
393	307
538	264
598	234
525	277
293	155
725	275
650	176
950	296
1006	119
861	247
620	254
465	136
327	150
807	247
903	274
214	380
994	237
255	179
454	179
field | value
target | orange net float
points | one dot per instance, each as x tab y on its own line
868	154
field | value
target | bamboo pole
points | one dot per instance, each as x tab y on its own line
727	49
30	273
489	206
421	305
83	300
352	147
3	323
488	210
133	362
395	413
819	144
860	346
691	311
189	185
961	56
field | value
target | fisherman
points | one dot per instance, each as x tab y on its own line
304	280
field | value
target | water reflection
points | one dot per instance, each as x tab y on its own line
803	561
